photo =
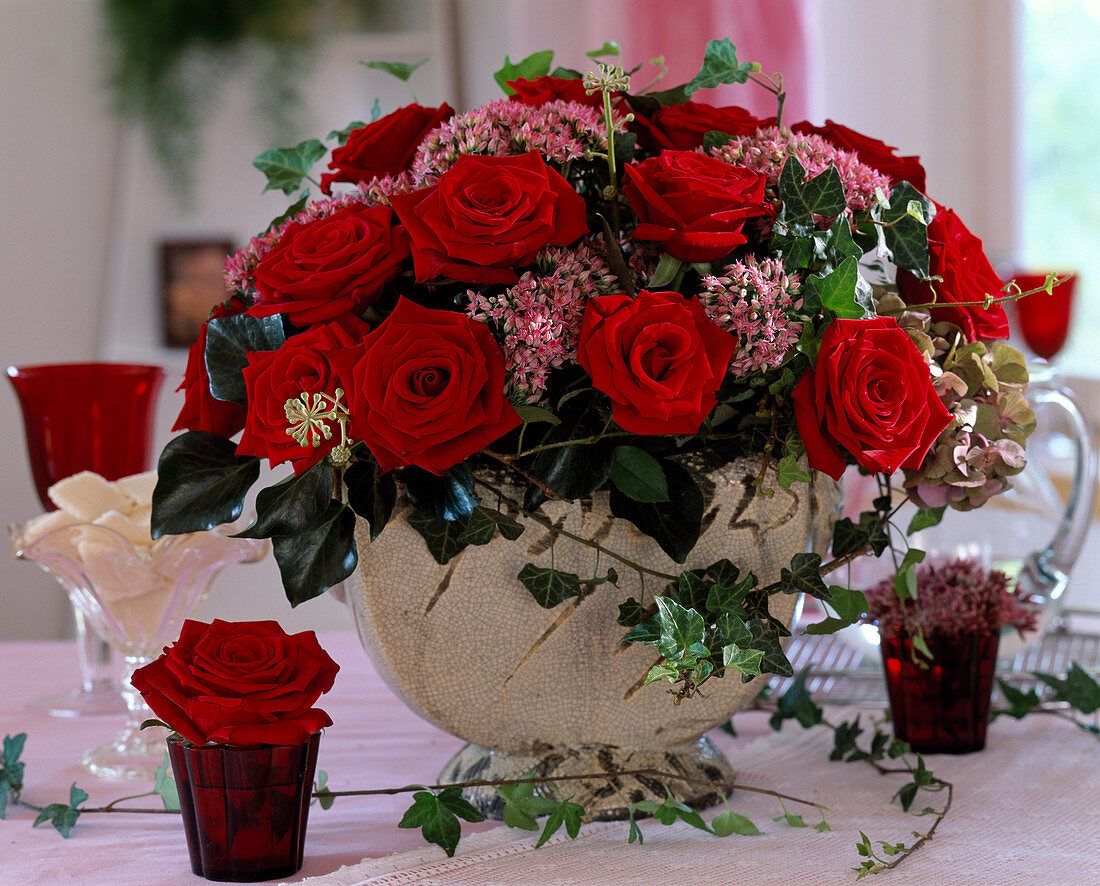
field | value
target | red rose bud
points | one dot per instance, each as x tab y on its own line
489	215
331	265
682	127
869	151
694	205
239	683
957	256
658	357
869	394
301	366
202	411
385	147
427	388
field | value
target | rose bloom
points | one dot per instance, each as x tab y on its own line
202	411
542	90
239	683
489	215
427	388
870	151
329	266
870	394
694	205
658	357
957	256
301	365
682	127
385	147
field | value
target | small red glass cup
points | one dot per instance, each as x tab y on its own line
244	808
942	708
1044	319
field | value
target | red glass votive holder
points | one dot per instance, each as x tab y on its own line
244	808
942	708
1044	318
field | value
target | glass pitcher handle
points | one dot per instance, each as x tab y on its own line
1049	567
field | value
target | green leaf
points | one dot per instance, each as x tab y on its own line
535	65
568	814
572	471
610	47
788	472
631	613
635	834
715	139
201	483
905	582
797	704
292	504
676	524
729	596
849	537
318	557
766	638
638	474
720	66
904	235
672	810
647	632
401	70
744	661
441	536
844	739
837	290
11	772
324	795
906	794
286	167
665	272
730	822
531	414
791	820
437	817
63	816
483	524
1020	703
822	195
850	603
371	494
229	340
291	211
1078	689
925	518
450	496
839	245
375	110
804	577
164	786
549	586
680	628
341	135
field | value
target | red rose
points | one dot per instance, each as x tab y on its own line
488	216
869	394
870	151
682	127
658	357
301	366
329	266
239	683
427	389
692	204
202	411
385	147
956	255
549	89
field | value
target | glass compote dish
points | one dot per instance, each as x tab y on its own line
137	598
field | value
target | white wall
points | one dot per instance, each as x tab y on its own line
85	207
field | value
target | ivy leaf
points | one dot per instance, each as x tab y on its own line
730	822
837	290
905	582
286	167
791	820
672	810
315	559
341	135
292	210
483	524
441	536
228	343
437	817
1078	689
569	814
631	613
797	704
530	414
839	244
766	639
63	816
720	66
844	739
371	494
904	234
744	661
925	518
324	795
722	598
535	65
676	524
572	471
638	474
822	195
1020	703
849	536
804	577
610	47
164	786
906	794
850	605
647	632
680	628
788	472
11	772
450	497
292	504
201	483
549	586
401	70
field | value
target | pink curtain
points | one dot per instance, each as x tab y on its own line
774	33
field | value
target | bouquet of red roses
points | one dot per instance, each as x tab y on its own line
579	284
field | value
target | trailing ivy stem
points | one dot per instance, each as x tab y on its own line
509	461
583	441
543	521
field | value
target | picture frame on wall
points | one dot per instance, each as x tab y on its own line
191	283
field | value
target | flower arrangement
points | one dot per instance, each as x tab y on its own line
580	284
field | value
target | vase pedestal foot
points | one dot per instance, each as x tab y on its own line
604	799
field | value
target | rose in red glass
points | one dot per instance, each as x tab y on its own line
329	266
385	147
427	388
957	256
869	394
870	151
202	411
488	216
657	356
694	205
682	127
239	683
541	90
301	365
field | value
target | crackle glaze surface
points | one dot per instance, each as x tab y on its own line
467	647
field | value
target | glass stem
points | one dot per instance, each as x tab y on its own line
96	672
